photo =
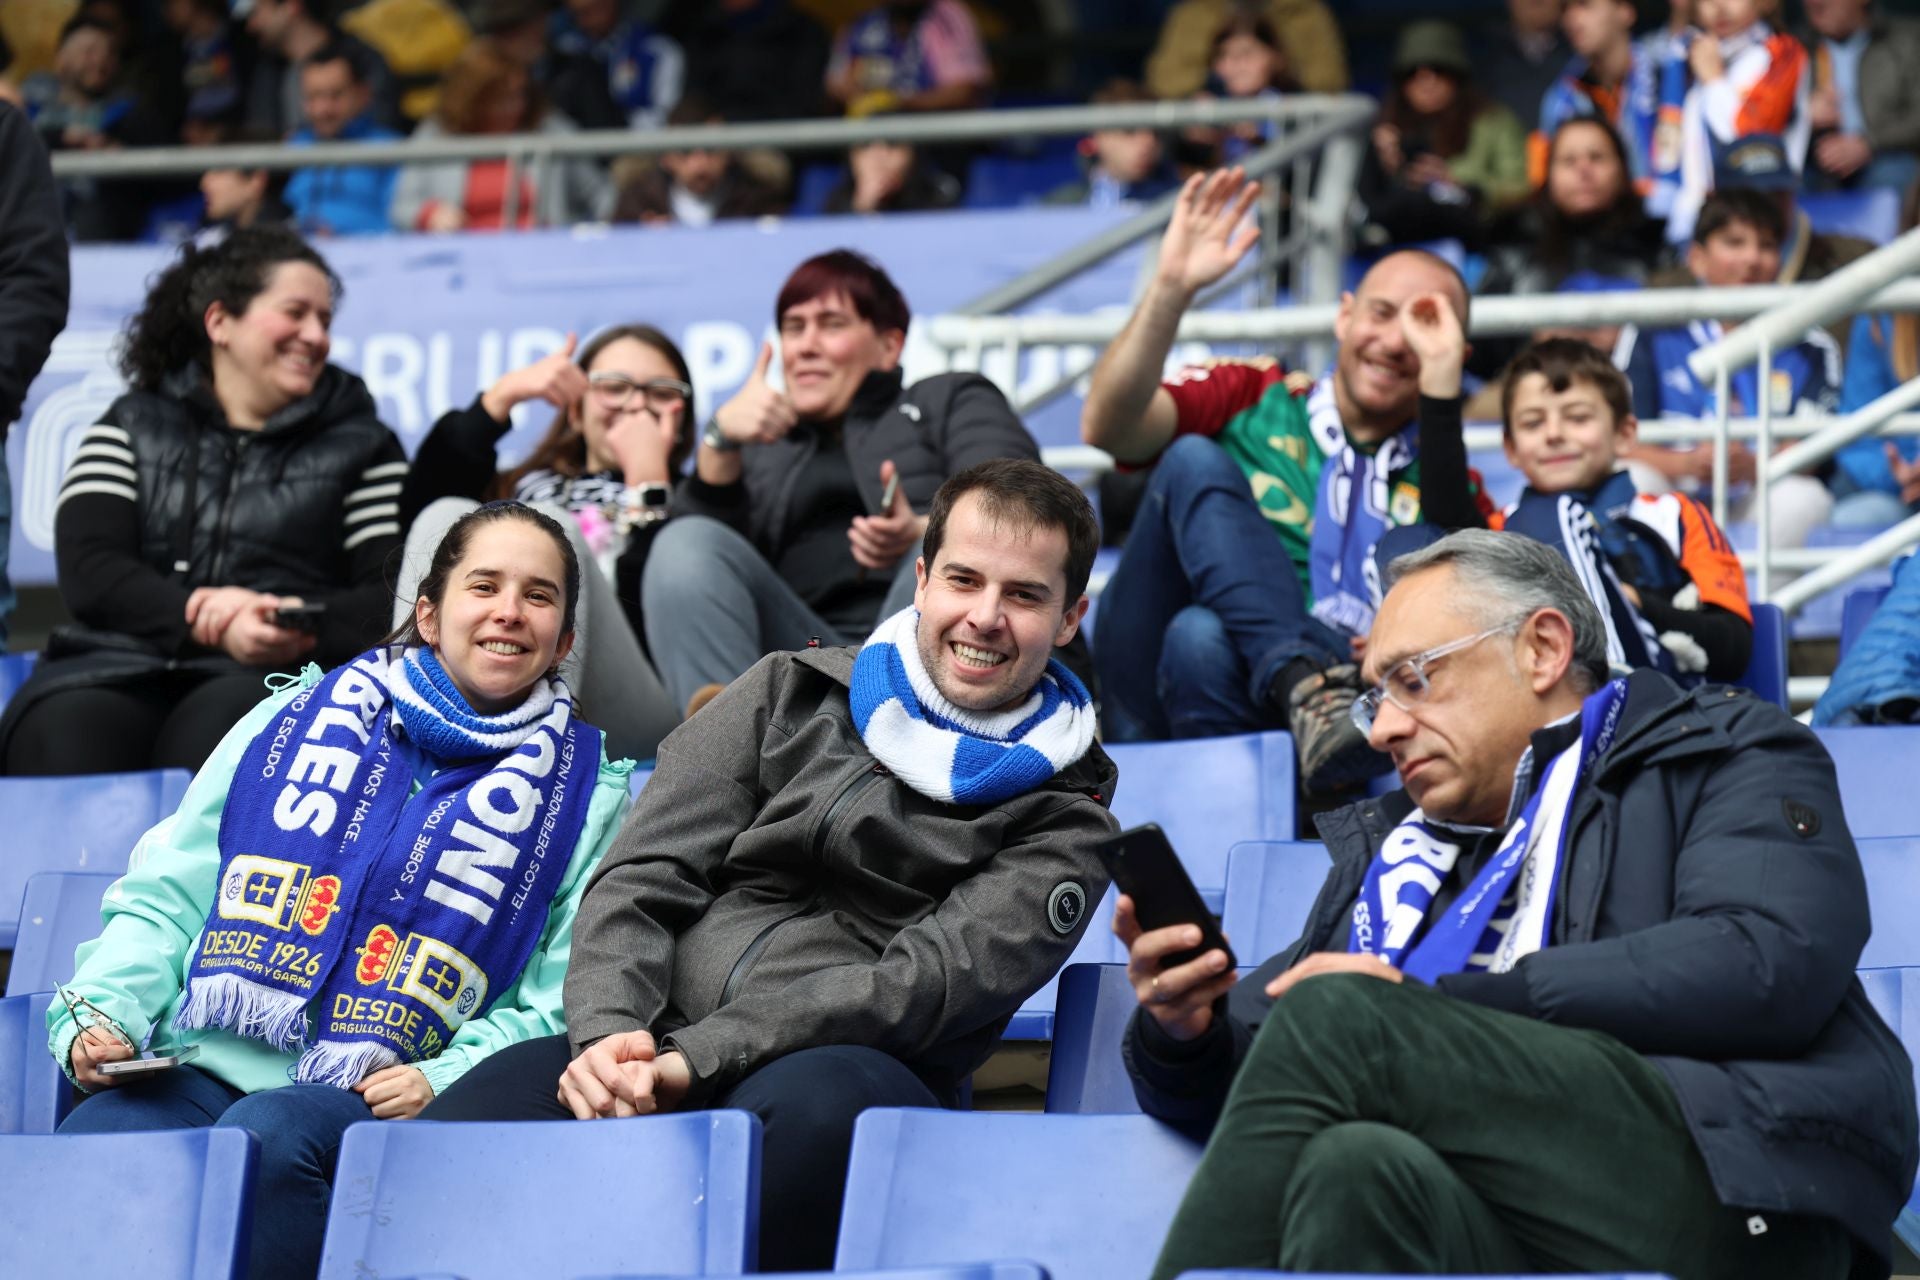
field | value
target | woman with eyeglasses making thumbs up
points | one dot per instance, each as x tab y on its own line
610	461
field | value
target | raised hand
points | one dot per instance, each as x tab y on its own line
1209	230
1433	333
757	414
555	379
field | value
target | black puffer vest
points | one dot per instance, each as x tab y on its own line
266	505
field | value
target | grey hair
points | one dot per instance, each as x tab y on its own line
1508	576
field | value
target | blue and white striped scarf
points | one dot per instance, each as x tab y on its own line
957	756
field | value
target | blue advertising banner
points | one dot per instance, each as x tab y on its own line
431	321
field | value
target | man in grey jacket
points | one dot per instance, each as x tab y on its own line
1865	105
808	499
849	870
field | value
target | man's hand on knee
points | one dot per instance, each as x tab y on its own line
1332	962
1180	998
612	1078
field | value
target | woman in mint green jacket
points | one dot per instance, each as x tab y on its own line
369	887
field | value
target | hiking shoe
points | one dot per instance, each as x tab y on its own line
1334	754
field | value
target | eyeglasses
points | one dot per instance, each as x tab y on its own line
76	1002
616	391
1406	683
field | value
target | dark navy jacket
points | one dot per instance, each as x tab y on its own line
1710	915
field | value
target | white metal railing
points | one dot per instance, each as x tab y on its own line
782	135
1861	285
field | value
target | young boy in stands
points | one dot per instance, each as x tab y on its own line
1566	417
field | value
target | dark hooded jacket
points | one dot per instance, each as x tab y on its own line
1710	914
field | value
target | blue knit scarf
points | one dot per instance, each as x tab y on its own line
956	756
389	919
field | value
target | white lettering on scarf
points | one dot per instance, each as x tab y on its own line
477	847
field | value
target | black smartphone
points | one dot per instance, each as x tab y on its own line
1147	870
300	617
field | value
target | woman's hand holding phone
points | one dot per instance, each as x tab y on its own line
91	1048
1180	998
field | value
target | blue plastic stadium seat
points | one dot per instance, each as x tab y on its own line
1270	886
1896	994
1892	866
34	1096
1087	1197
1315	1275
1876	769
1767	670
170	1204
1872	214
1085	1075
1208	794
957	1271
638	781
998	181
14	670
406	1198
1035	1019
812	185
76	824
60	910
1855	612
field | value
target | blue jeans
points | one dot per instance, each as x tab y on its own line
299	1127
714	606
1204	609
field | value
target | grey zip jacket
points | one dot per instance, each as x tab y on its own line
776	888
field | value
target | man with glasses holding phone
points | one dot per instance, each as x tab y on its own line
1579	998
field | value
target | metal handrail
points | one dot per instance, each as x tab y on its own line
782	135
1504	314
1840	294
1293	147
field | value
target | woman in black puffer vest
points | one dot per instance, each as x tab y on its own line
232	515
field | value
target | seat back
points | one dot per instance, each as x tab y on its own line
637	781
181	1207
76	824
1035	1018
14	670
1086	1075
1208	794
1087	1197
1766	671
1872	213
1270	887
1856	611
59	911
407	1198
34	1096
1892	864
1895	993
1875	765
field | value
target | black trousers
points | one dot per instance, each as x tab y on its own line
1377	1127
170	720
807	1103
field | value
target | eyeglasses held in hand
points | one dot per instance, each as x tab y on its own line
76	1002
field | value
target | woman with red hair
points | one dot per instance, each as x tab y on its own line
810	491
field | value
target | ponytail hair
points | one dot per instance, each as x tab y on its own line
169	332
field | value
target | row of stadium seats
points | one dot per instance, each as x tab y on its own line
1209	796
1083	1195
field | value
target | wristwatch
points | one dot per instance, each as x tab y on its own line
716	439
642	504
